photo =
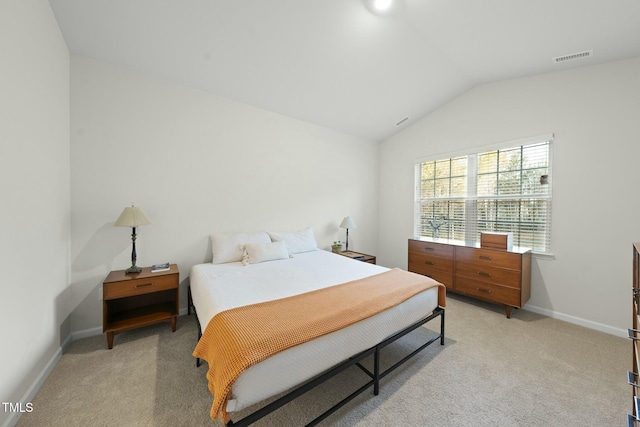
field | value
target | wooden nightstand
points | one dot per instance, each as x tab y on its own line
359	256
133	300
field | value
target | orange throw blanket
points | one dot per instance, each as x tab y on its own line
241	337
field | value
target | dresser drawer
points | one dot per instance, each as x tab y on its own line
429	263
139	286
488	291
489	274
435	249
496	258
445	278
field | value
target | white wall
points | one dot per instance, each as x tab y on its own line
197	164
34	184
594	115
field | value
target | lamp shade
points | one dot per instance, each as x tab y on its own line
347	223
132	216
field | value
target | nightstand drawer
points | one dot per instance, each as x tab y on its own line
139	286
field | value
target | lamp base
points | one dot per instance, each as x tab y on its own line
132	270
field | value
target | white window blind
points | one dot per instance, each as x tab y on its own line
500	190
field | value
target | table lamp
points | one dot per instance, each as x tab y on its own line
347	223
133	217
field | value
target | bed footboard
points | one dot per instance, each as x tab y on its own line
374	376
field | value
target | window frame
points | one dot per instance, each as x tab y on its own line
471	235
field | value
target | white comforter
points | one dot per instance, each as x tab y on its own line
219	287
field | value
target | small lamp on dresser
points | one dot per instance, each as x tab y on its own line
133	217
347	223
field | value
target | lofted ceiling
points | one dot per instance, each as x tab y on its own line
336	64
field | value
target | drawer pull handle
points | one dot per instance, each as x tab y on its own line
429	262
144	285
482	273
487	291
427	248
485	257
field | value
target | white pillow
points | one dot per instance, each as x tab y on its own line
301	241
261	252
229	247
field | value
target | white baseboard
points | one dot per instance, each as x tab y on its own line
86	333
577	321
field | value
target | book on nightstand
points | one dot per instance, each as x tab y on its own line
160	267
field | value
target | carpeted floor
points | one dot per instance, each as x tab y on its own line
525	371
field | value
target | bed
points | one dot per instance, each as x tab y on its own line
255	268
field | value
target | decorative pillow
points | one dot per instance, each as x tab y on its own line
229	247
261	252
301	241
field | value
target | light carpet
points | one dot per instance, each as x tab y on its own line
529	370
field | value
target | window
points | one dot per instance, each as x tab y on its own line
500	190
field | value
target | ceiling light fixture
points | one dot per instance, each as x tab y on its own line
378	6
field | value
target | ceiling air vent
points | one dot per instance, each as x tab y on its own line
402	121
573	56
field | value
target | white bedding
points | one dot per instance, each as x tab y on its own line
215	288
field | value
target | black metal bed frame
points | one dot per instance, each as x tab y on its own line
375	376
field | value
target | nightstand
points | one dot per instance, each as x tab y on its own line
359	256
133	300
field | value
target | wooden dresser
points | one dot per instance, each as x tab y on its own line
494	275
634	333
